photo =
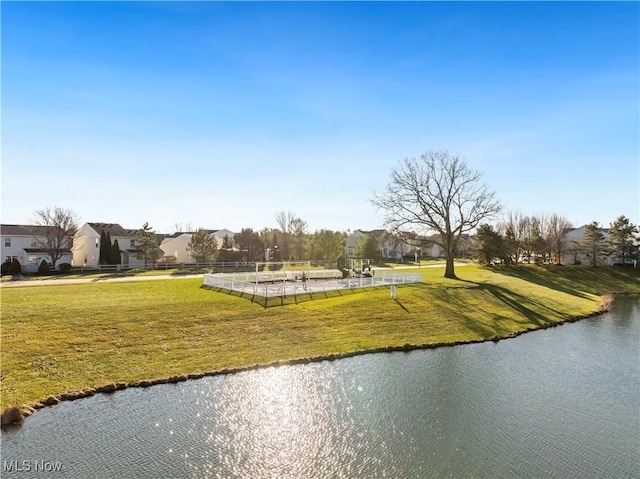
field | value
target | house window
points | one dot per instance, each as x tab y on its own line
97	242
7	242
34	243
133	243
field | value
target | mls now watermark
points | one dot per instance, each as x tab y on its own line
31	466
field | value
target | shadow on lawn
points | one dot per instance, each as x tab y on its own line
530	313
272	301
399	303
551	277
576	280
517	302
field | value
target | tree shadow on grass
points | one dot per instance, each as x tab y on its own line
541	276
517	302
528	310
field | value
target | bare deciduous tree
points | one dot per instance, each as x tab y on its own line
513	229
285	220
181	228
557	226
437	193
53	229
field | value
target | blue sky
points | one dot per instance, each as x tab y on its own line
221	115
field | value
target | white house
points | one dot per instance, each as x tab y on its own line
220	234
574	253
86	251
390	246
26	242
176	244
351	242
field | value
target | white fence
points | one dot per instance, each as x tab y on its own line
277	284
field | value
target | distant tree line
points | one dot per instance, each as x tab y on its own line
543	238
290	241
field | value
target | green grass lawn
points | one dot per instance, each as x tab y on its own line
58	339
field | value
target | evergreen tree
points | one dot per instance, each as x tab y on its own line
226	252
250	244
16	267
368	248
202	246
227	242
115	258
593	242
44	268
622	238
511	246
147	245
489	245
105	248
6	266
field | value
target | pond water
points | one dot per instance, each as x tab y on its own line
563	402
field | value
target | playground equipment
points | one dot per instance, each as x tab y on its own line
349	267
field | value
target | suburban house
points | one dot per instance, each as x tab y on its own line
86	249
351	242
175	245
391	247
431	248
407	244
574	253
25	243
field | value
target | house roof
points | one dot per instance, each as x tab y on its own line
114	229
41	250
23	230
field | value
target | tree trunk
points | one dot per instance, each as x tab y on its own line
449	249
449	271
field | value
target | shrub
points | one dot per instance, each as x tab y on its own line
167	260
6	266
16	267
44	268
64	267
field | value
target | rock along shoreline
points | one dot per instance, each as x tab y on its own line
13	416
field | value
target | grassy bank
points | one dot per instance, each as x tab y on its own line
58	339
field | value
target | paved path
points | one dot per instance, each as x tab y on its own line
55	282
